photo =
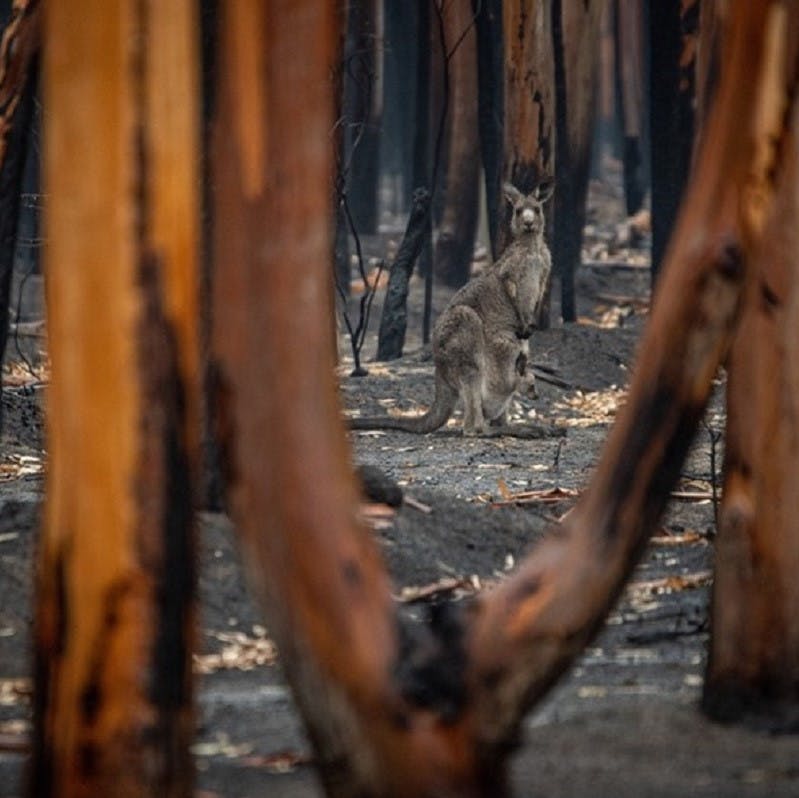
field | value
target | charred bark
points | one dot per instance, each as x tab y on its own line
672	41
490	92
400	55
393	322
362	111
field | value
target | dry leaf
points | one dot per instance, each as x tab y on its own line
546	496
241	652
672	584
279	762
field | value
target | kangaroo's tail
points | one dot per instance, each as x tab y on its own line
438	414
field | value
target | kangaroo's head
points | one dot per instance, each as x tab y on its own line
527	211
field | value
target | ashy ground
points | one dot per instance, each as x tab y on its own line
623	722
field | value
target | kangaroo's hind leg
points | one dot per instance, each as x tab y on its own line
459	348
505	374
474	422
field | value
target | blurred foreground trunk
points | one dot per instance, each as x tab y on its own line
114	617
753	669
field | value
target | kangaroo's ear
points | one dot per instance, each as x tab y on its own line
512	194
545	189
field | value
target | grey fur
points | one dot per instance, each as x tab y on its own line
480	341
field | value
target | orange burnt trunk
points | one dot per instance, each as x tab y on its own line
114	622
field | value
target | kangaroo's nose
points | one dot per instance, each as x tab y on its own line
528	218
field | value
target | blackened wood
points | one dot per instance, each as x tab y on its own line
672	30
394	319
490	91
362	105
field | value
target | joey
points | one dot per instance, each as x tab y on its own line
481	339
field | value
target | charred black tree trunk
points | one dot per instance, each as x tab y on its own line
422	167
361	112
490	94
400	55
394	320
672	26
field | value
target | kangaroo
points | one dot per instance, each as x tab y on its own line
480	341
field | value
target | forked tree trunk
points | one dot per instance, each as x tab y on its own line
575	31
455	242
114	619
753	669
672	40
529	109
18	46
398	709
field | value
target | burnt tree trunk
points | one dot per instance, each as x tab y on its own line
394	320
575	31
18	46
422	156
490	91
458	225
362	112
529	109
672	40
400	53
114	619
753	668
630	77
